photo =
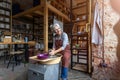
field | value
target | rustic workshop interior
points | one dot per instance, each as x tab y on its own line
26	31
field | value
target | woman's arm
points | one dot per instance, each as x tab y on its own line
65	40
53	52
65	43
53	43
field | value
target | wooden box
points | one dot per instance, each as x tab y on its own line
7	40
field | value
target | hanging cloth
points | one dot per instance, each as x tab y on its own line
97	33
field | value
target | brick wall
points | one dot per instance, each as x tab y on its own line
111	43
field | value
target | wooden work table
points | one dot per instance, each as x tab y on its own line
15	43
25	47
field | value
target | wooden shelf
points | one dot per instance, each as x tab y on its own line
6	9
77	7
5	20
4	29
22	33
6	2
75	21
82	34
4	49
80	63
81	67
80	51
3	15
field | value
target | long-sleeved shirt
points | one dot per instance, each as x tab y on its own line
64	38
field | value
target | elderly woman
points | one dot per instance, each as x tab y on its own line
61	45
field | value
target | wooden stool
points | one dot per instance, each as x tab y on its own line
14	58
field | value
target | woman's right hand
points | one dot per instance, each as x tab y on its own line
52	52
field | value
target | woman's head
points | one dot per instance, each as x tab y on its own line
57	29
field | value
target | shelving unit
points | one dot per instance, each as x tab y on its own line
38	28
81	15
5	15
23	29
5	23
80	51
80	37
33	31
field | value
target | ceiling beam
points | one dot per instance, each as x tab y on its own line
80	6
27	11
53	9
38	12
28	16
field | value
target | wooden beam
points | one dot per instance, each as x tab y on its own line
53	9
81	3
64	4
28	16
80	6
38	12
90	44
27	11
45	27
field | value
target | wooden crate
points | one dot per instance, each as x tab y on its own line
7	40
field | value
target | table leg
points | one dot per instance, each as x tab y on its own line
26	53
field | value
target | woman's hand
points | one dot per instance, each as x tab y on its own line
52	52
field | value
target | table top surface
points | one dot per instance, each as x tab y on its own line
15	42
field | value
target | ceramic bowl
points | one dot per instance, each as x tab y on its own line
42	56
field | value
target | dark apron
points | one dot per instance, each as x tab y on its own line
65	53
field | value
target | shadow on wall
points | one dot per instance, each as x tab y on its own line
117	32
116	6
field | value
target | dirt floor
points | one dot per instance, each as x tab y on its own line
21	73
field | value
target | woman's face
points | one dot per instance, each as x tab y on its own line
115	5
57	30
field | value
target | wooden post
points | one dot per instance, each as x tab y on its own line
90	45
45	26
33	29
11	23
